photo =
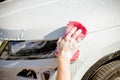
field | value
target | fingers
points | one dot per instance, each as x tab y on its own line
79	39
72	36
72	31
68	29
76	34
59	40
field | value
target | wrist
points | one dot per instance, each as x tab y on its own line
63	59
65	54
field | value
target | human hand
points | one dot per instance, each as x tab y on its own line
69	44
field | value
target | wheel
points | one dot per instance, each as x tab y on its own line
110	71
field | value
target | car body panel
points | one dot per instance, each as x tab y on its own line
92	49
39	18
46	20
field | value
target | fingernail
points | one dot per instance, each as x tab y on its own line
79	31
75	28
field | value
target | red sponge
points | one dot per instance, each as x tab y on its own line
81	35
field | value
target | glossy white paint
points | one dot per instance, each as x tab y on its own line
36	19
95	46
45	20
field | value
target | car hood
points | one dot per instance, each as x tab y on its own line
46	19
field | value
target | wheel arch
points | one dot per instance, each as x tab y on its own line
104	60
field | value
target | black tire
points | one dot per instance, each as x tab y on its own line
110	71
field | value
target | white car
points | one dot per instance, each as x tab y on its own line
45	20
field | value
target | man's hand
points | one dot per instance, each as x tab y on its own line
66	47
69	44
